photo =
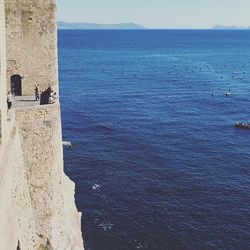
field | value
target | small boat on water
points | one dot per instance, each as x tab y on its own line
242	125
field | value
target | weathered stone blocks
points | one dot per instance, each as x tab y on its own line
31	31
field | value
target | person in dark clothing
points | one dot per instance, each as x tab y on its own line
9	100
37	93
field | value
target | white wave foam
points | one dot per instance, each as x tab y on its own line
95	186
106	226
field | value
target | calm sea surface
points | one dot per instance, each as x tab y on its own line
156	159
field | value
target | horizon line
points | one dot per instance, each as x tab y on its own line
220	27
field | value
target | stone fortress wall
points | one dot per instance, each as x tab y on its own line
37	208
31	30
2	72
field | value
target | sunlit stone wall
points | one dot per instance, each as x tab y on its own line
3	106
32	43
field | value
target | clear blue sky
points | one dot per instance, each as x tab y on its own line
157	13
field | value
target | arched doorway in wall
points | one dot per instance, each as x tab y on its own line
16	85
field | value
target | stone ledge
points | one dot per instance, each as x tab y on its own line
48	107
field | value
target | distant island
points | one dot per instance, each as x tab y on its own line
221	27
95	26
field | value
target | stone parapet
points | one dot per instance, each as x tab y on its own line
57	221
37	208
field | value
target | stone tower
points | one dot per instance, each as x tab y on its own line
31	39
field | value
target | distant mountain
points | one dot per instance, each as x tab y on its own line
94	26
220	27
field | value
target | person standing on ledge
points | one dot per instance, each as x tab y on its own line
53	97
9	100
37	93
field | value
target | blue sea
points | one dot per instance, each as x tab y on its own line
156	159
